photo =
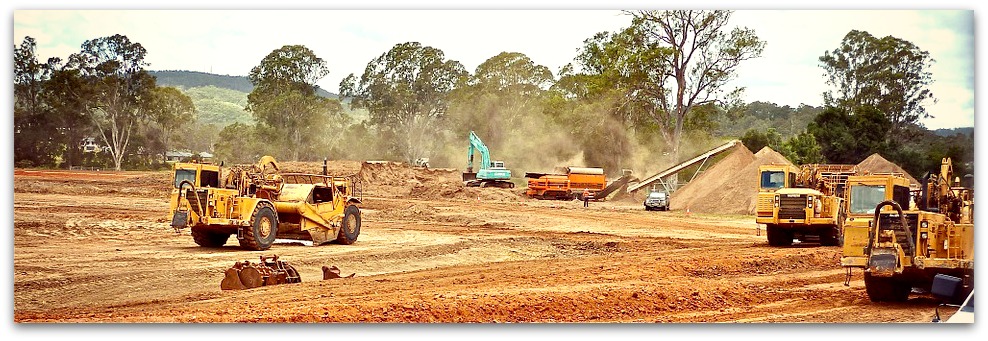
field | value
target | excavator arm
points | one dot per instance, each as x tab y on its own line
477	145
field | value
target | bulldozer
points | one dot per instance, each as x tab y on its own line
804	203
900	247
258	204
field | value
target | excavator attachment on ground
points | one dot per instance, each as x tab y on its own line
269	271
331	272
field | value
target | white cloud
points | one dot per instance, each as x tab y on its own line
233	42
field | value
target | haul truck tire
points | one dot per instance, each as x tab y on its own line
778	236
262	230
350	227
830	236
207	238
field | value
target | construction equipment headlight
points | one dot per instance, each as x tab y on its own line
776	200
924	224
809	201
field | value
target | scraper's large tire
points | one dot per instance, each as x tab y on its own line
206	238
350	228
262	230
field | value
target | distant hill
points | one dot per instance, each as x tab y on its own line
195	79
221	99
953	131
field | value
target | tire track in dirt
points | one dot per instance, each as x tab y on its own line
436	261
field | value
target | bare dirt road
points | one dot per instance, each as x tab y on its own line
98	248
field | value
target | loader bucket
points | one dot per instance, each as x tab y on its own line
269	271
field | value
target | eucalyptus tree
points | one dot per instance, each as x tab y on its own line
406	91
285	103
502	100
170	110
112	70
697	55
33	120
889	74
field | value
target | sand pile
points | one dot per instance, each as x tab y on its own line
878	164
729	188
713	178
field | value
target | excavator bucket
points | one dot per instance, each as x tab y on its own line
269	271
333	272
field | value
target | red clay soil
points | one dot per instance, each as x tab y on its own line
103	251
878	164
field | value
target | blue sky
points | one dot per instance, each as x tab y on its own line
233	41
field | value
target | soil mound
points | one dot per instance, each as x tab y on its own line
878	164
399	179
334	168
729	190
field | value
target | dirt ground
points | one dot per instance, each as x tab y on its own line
97	247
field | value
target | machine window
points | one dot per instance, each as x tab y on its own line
322	194
773	179
185	174
210	179
865	198
901	195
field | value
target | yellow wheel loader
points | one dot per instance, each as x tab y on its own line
258	204
900	247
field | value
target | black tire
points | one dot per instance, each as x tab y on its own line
886	289
901	290
778	236
206	238
828	236
350	226
263	228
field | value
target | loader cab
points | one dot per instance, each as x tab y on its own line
863	194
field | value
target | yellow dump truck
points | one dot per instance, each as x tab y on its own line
258	204
802	203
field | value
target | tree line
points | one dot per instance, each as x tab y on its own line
641	97
877	95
